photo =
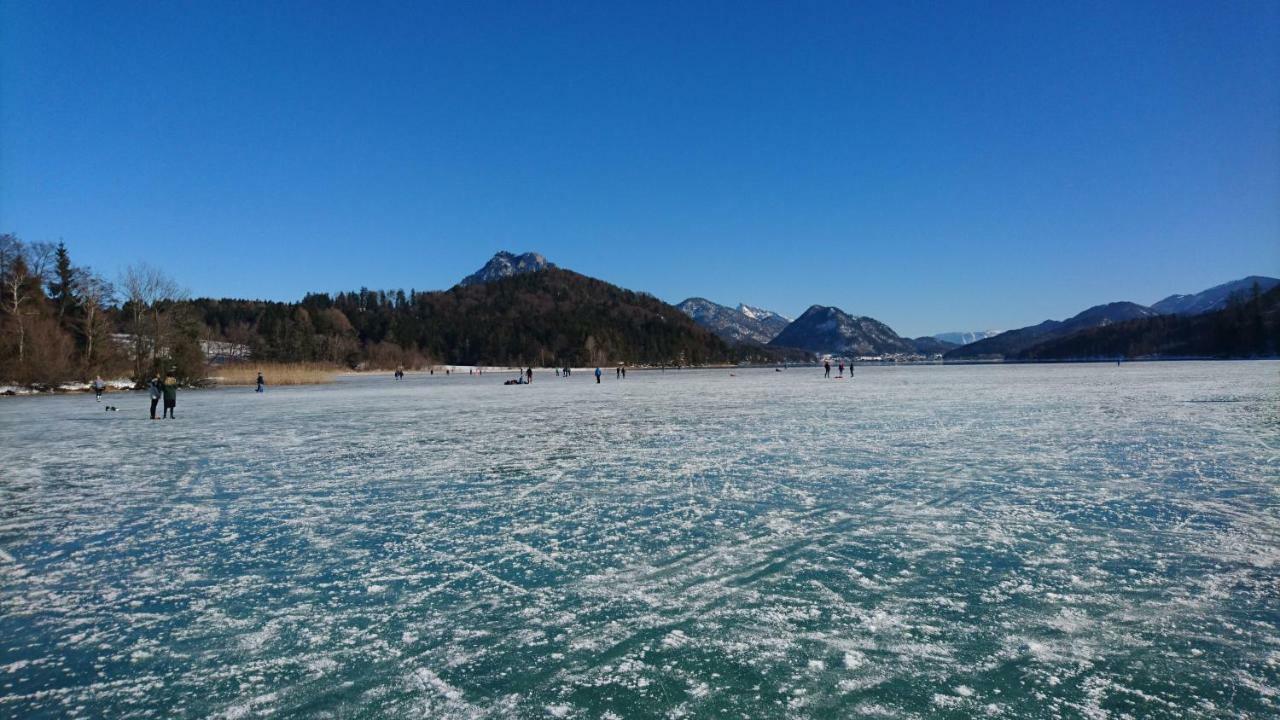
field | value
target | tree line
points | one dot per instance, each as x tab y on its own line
548	318
61	322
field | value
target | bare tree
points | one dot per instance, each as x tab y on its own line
148	292
40	261
94	294
11	248
19	285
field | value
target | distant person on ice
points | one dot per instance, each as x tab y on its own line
528	374
842	368
98	387
153	389
598	374
826	364
170	396
262	384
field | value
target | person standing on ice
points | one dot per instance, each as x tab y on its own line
170	396
528	375
262	384
98	387
153	389
826	364
841	368
598	374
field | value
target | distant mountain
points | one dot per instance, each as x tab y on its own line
830	330
964	338
1011	343
1250	328
1215	298
544	319
505	265
932	345
557	316
743	324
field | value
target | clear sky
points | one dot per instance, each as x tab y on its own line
938	166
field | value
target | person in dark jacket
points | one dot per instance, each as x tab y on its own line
528	374
826	364
262	384
153	389
598	374
170	392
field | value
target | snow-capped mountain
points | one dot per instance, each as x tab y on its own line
504	265
741	324
966	337
830	330
1215	298
762	315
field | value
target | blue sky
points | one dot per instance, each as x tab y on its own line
938	166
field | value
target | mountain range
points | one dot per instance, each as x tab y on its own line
826	330
1008	344
1035	341
1244	326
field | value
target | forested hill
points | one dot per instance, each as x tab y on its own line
548	317
1244	328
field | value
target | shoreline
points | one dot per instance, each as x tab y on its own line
119	385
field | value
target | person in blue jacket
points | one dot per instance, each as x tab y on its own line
598	374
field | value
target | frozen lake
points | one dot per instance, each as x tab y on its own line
1023	541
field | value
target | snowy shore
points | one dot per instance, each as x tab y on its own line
69	387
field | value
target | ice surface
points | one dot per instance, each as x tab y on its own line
1012	541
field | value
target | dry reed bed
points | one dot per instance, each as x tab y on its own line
274	373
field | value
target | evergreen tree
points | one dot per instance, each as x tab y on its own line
62	287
